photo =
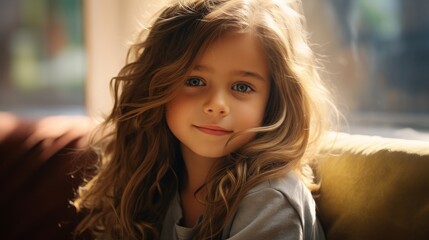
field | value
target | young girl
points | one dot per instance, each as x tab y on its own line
216	117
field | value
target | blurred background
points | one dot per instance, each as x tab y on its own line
57	57
42	57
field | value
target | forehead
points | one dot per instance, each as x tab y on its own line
236	51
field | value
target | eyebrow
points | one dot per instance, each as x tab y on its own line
238	72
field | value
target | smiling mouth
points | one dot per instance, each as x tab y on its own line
216	131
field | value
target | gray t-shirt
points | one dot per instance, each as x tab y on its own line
277	209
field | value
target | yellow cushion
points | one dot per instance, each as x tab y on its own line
374	188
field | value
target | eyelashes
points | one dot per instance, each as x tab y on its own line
242	87
195	82
238	87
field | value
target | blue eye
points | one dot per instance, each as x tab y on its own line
194	82
242	87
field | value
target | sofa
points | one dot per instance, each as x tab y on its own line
371	187
39	175
374	188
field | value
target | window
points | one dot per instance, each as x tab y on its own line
42	59
376	55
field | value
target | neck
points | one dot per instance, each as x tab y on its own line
197	168
193	177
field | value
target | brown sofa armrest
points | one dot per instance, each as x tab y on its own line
39	173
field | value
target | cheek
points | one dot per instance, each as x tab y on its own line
251	115
247	117
172	115
176	112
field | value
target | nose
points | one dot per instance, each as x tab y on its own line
216	105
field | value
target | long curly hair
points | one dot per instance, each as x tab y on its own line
139	158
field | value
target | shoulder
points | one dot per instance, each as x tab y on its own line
287	193
281	208
289	185
289	188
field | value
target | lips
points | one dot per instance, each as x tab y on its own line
214	130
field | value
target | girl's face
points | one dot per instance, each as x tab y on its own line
226	93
